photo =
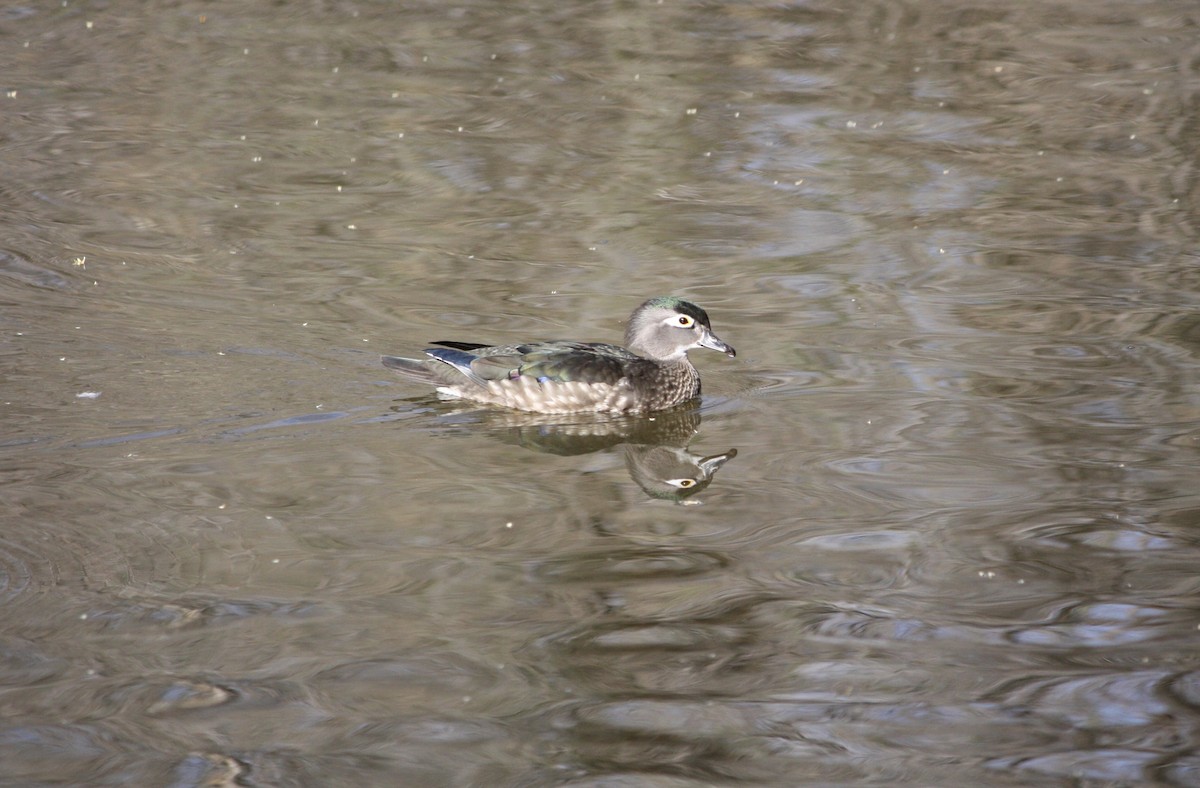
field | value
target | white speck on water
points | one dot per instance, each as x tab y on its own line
88	395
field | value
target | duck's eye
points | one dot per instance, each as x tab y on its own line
685	321
682	484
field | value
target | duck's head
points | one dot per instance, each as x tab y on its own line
666	328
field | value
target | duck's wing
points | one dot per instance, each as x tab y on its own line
547	362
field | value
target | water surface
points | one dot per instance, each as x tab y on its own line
951	536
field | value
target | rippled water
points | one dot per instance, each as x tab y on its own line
943	529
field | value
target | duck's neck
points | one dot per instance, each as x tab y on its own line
677	381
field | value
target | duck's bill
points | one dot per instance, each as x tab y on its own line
710	464
713	342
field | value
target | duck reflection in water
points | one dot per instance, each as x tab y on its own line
656	447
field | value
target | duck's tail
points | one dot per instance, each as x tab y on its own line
415	369
442	368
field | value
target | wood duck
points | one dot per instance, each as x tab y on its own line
651	373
